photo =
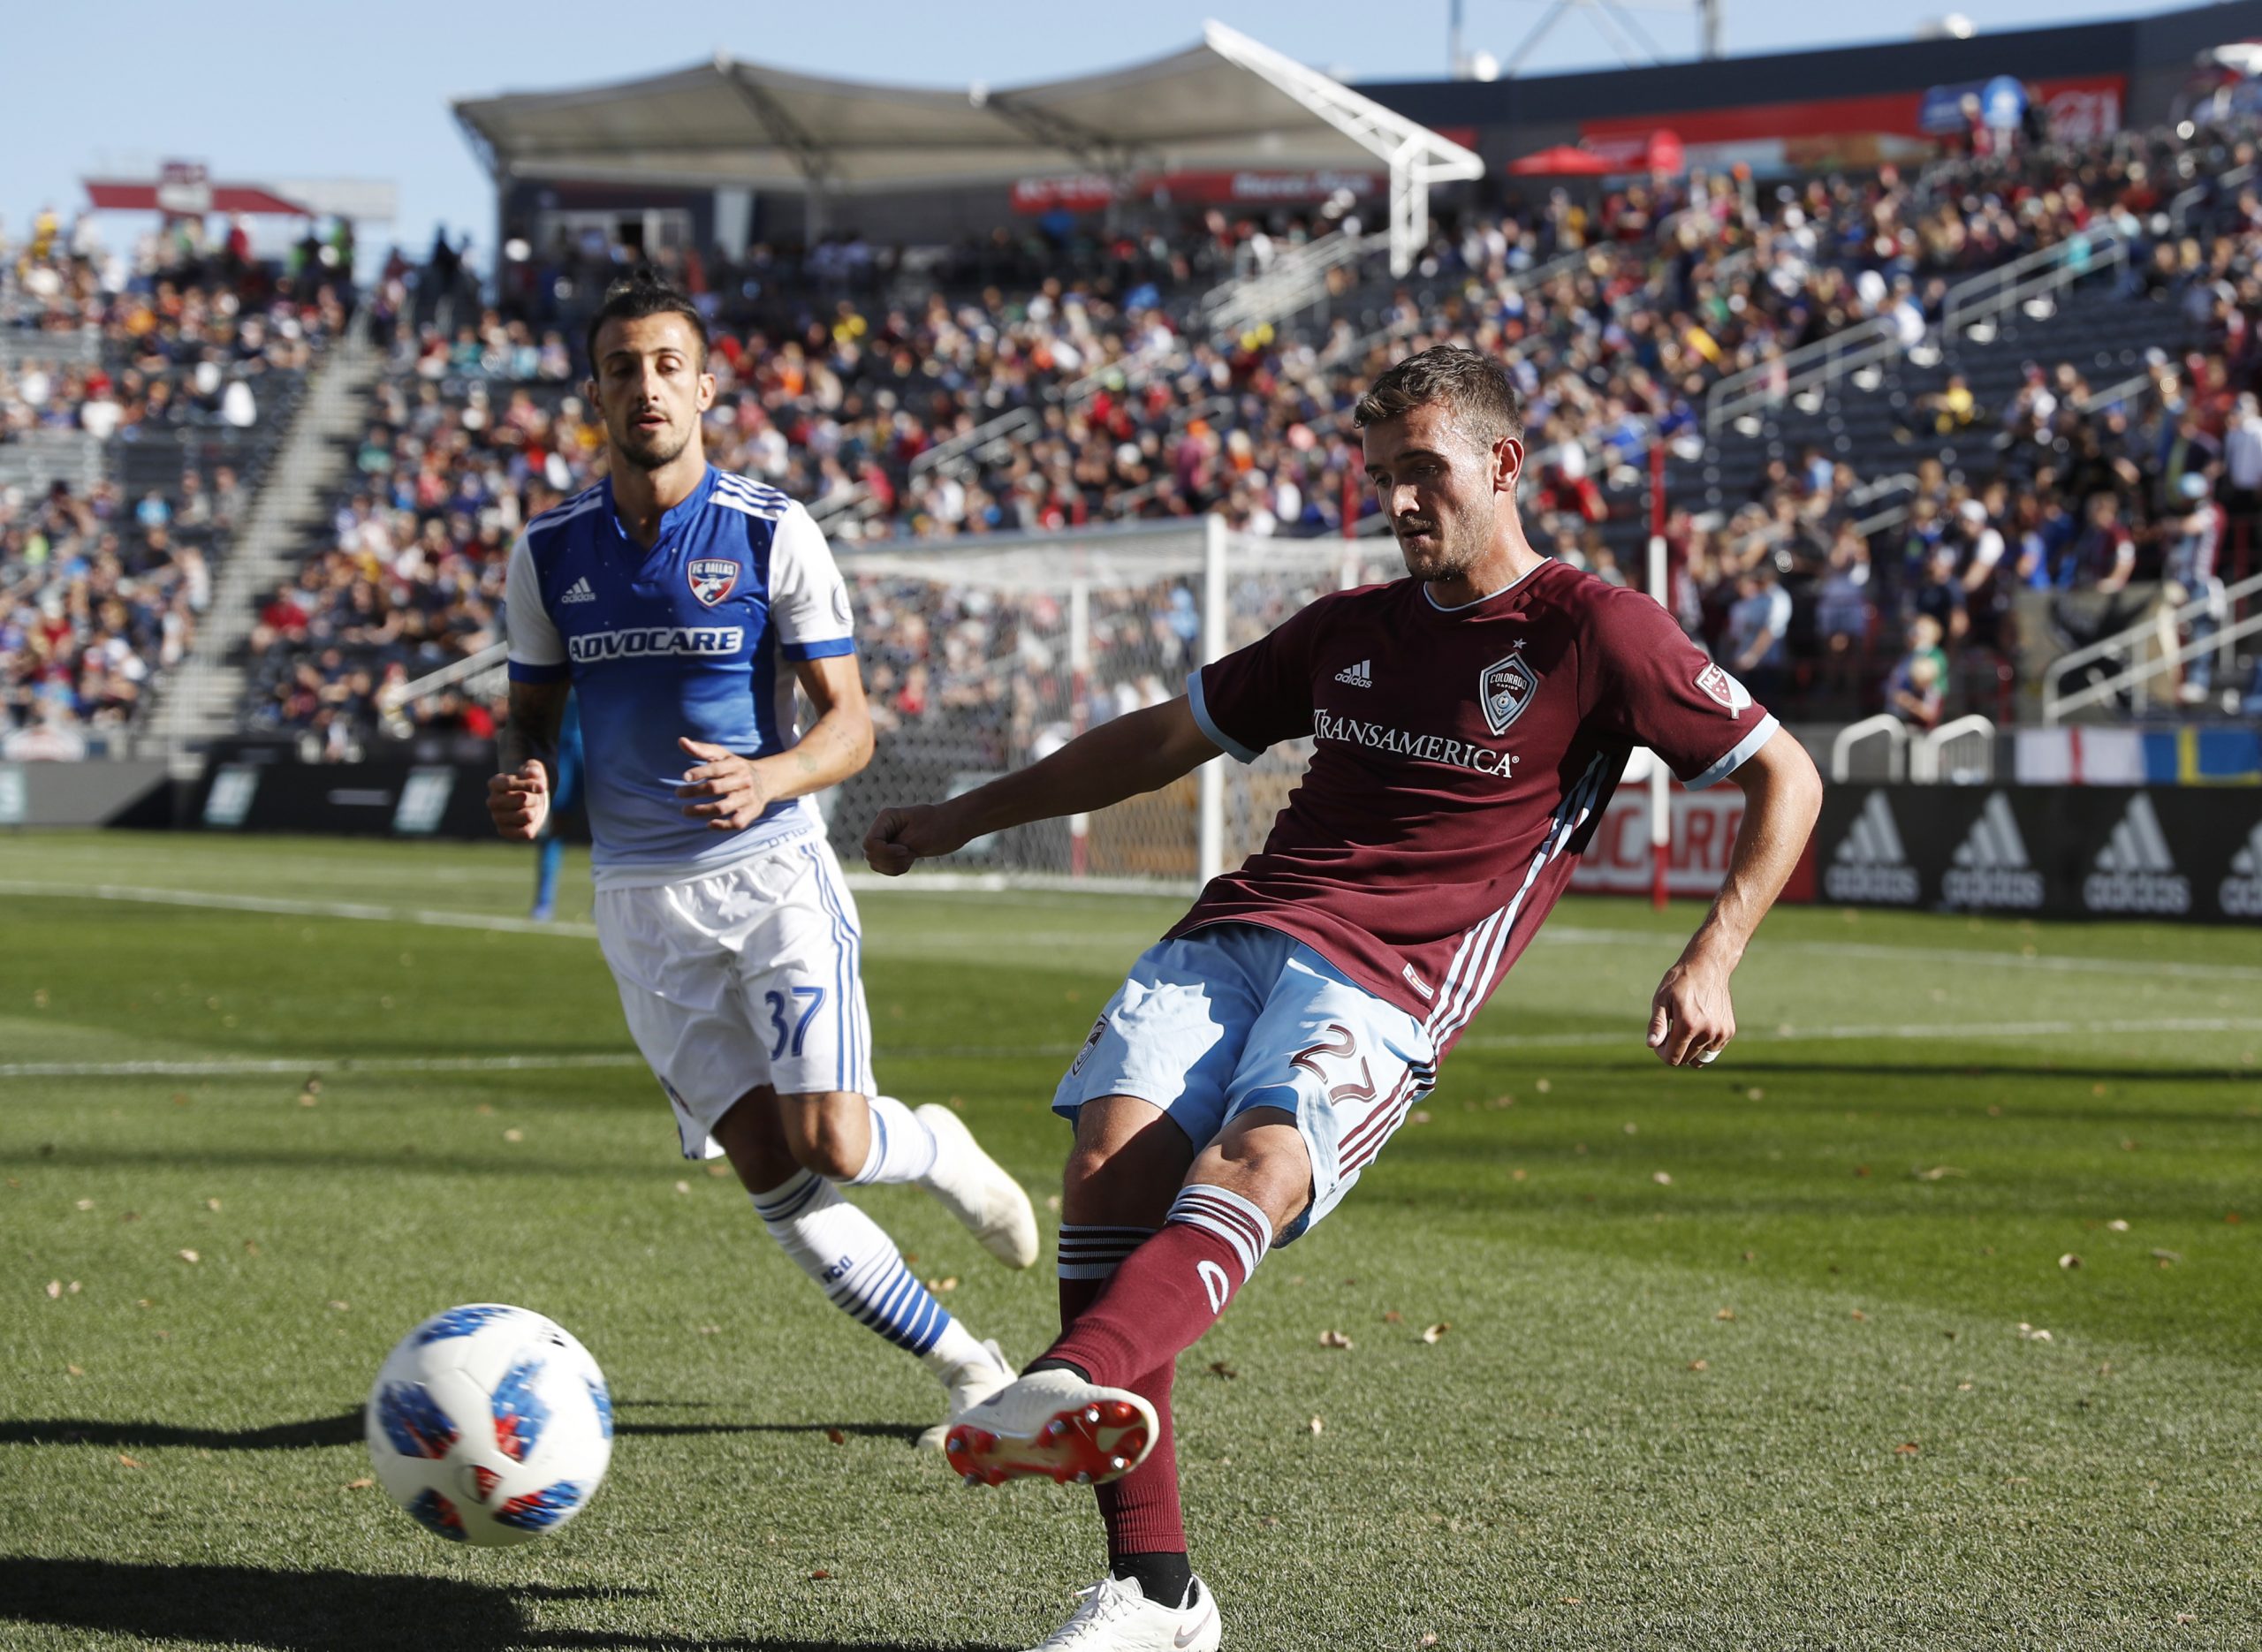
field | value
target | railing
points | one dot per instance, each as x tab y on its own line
2162	630
1928	764
1772	382
487	661
2180	209
1296	280
1980	297
963	452
1883	726
2046	270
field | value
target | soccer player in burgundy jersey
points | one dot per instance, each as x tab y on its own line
1468	724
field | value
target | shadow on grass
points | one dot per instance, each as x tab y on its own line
345	1429
335	1611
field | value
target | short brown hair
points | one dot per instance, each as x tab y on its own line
1473	385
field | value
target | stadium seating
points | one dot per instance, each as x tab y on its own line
140	398
1022	383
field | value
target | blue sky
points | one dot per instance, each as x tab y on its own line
321	88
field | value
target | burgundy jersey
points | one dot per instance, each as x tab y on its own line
1461	757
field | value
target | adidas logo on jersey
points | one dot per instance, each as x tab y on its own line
2134	872
2241	893
1871	864
578	592
1359	676
1991	868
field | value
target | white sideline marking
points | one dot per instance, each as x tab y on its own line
276	904
346	1065
1565	937
253	1067
1927	1031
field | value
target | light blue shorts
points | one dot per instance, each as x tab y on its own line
1236	1016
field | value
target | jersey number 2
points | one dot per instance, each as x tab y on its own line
799	1029
1342	1046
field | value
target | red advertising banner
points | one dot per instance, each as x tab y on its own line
1619	860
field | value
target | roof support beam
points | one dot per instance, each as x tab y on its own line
1416	157
1094	148
812	158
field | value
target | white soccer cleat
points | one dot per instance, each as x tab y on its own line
1053	1423
970	1384
1115	1616
976	1190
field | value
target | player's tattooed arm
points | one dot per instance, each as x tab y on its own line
1692	1017
729	792
1141	752
518	799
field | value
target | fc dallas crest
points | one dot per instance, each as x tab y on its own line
712	579
1504	689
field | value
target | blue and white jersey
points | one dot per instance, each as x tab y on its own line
698	637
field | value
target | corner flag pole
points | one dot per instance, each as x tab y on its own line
1660	796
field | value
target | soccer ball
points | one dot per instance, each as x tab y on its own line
490	1425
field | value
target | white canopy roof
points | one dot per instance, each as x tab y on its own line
1226	103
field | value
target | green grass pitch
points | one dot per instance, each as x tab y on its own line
1748	1358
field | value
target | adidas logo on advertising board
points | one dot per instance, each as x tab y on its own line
2241	893
1991	868
2134	871
1871	864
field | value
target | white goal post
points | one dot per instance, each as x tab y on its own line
981	655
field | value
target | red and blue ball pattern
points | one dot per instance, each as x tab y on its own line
413	1421
520	1413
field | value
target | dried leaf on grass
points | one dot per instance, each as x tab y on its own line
1907	1448
2030	1333
188	1256
123	1461
836	1436
1700	1365
1726	1313
1316	1425
1224	1369
362	1484
1435	1333
1333	1339
2069	1260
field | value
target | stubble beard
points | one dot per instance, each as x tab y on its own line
648	454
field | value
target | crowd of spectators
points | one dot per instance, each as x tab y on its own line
99	592
1056	376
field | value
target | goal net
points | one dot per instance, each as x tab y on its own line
984	657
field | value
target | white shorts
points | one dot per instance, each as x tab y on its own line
744	978
1235	1016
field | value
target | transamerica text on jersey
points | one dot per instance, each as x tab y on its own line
1436	748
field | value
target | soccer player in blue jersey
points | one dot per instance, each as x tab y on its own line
681	607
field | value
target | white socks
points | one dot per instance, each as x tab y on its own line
903	1148
858	1267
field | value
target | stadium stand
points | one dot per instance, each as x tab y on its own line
142	393
1880	537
